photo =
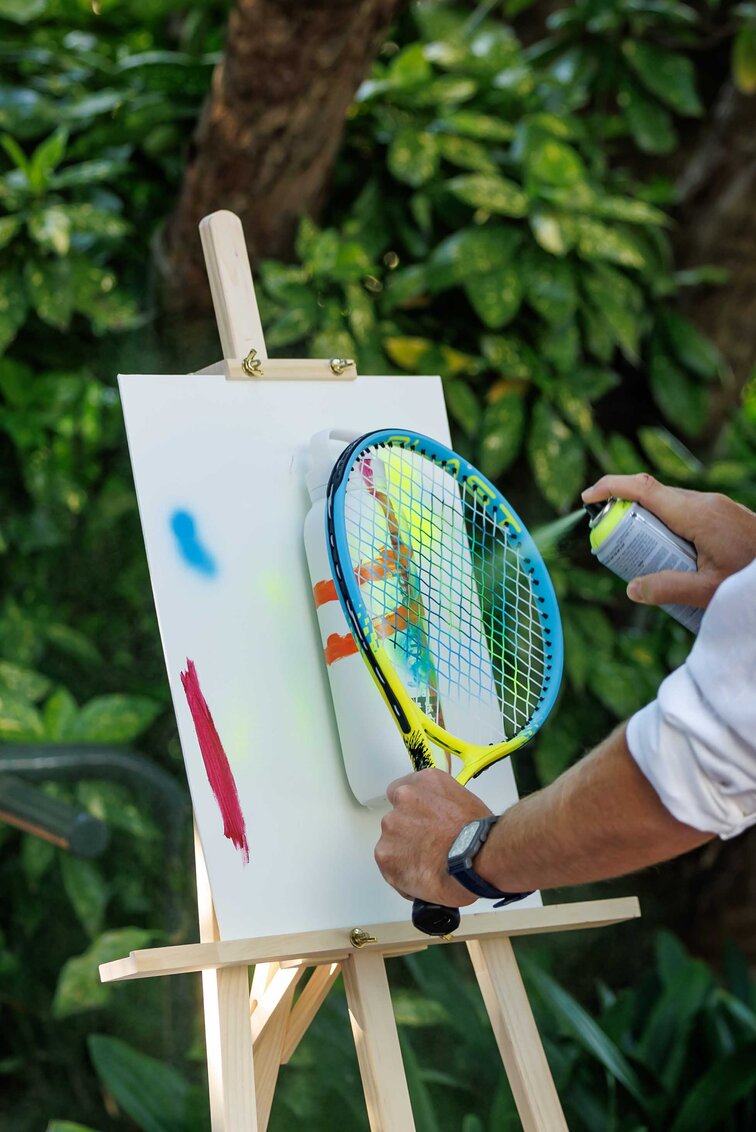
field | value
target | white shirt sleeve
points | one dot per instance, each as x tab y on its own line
696	743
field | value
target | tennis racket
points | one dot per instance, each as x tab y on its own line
450	604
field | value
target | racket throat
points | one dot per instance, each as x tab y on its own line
418	749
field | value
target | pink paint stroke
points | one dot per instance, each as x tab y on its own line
217	767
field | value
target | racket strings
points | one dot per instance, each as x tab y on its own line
456	603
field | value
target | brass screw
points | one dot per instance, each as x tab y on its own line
252	365
359	937
338	365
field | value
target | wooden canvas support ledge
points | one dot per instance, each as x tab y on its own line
251	1030
333	945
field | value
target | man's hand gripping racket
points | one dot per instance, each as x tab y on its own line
449	602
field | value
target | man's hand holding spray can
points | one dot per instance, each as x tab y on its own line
673	545
632	543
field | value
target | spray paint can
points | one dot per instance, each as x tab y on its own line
631	542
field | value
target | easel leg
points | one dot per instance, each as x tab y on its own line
229	1050
517	1036
272	994
377	1044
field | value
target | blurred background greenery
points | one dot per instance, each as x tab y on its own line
549	204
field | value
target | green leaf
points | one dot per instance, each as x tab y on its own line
471	252
549	287
51	229
583	198
98	222
410	67
17	155
501	434
509	355
294	325
9	226
465	153
19	720
87	891
671	77
463	406
555	231
79	987
413	156
46	158
662	1044
59	714
490	193
496	297
682	401
744	59
409	353
622	457
650	124
73	643
619	303
596	240
577	1022
68	1126
560	345
551	161
37	856
423	1108
48	285
717	1092
668	455
483	127
406	285
155	1096
115	719
13	307
22	11
557	457
692	348
88	173
24	682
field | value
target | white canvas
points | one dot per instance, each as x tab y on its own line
234	596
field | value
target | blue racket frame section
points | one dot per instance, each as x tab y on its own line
499	509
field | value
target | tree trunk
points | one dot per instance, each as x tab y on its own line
269	131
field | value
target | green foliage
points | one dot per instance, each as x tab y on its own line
497	237
491	220
624	1065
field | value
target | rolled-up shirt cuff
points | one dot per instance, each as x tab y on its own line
702	771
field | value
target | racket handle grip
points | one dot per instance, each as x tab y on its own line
434	919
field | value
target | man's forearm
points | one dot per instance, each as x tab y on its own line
600	819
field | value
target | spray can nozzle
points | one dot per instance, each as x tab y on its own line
594	509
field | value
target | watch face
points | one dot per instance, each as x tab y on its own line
464	839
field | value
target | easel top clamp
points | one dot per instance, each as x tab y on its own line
251	1032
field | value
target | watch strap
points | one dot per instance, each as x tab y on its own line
475	883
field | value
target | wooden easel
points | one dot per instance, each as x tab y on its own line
251	1030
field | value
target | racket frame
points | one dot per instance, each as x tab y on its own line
416	727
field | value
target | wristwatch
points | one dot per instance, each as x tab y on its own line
460	857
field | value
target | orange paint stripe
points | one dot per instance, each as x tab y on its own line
383	567
338	646
324	592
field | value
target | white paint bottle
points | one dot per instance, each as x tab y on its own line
372	748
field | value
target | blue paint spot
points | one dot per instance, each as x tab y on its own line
190	546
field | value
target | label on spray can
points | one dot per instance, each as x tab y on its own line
631	542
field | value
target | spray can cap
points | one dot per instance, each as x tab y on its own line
597	510
325	448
